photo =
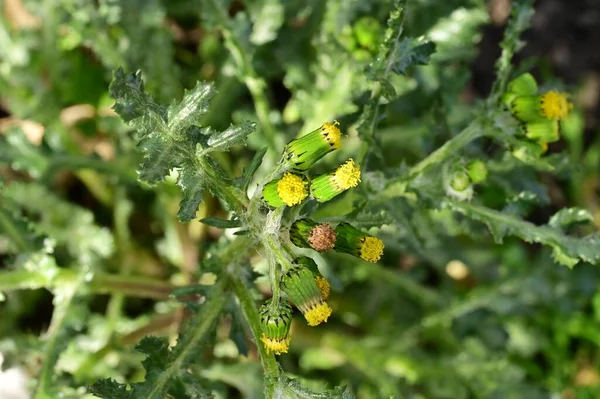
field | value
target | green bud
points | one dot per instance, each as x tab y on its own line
523	85
299	285
526	108
477	171
327	186
460	181
276	320
353	241
302	153
543	131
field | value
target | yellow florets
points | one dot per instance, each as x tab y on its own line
554	105
318	314
292	189
324	286
277	345
347	175
371	249
332	134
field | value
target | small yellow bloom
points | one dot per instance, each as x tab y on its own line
324	286
277	345
554	105
317	314
332	134
347	175
292	189
371	249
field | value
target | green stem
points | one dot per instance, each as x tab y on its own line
269	364
206	319
13	233
56	342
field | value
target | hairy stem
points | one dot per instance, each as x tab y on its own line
270	366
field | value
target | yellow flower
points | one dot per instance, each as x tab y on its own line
332	134
323	286
347	175
277	345
289	190
554	105
355	242
317	314
371	249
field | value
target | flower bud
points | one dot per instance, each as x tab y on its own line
327	186
353	241
290	190
306	233
299	285
321	281
551	105
303	152
276	321
523	85
477	171
543	131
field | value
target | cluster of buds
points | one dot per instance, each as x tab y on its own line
539	114
308	290
345	238
459	178
299	155
302	283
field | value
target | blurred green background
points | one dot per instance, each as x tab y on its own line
448	313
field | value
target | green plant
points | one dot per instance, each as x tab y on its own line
406	165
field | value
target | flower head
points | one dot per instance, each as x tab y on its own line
276	320
353	241
299	285
544	131
306	233
327	186
554	105
347	175
290	190
303	152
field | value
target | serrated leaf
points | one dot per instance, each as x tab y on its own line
109	389
568	216
221	223
191	109
132	104
567	250
160	156
251	169
410	52
232	135
191	184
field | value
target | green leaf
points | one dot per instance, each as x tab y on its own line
171	139
566	250
569	216
221	223
109	389
192	186
231	136
411	52
251	169
191	109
